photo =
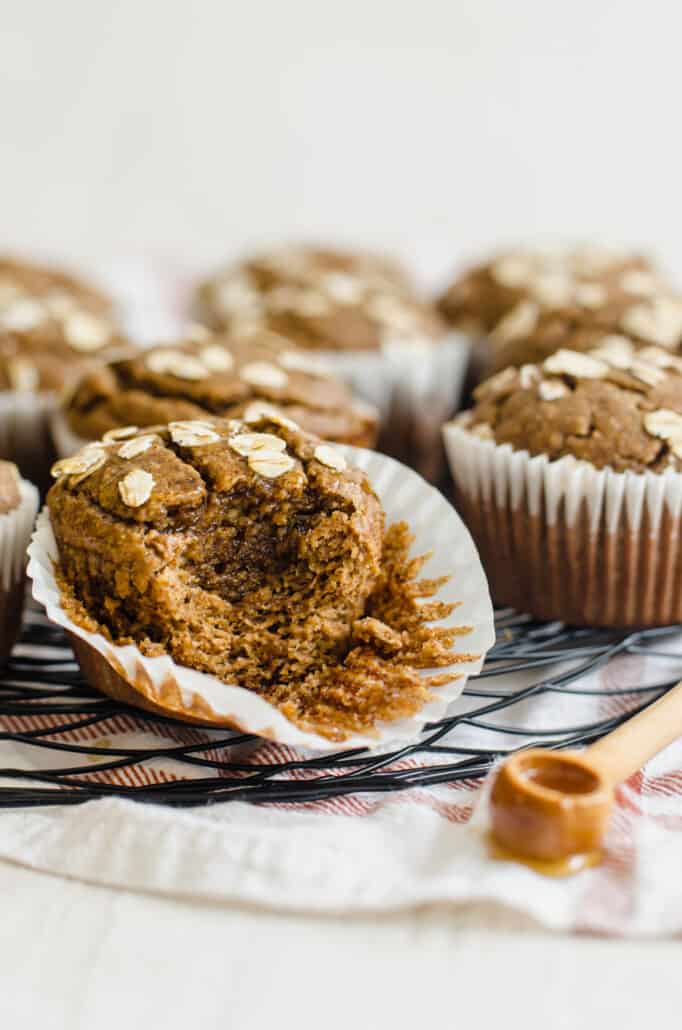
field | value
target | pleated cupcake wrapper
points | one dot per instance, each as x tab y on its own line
65	441
563	539
15	533
415	388
186	692
25	433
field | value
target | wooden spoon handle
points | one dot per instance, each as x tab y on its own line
622	752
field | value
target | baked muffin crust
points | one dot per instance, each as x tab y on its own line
254	553
219	375
52	327
521	284
320	298
615	406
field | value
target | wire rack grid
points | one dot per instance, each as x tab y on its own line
46	706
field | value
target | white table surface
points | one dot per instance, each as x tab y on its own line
78	957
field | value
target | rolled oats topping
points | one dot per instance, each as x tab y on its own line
138	445
230	377
136	487
552	390
86	332
86	461
520	321
175	363
246	443
217	358
617	406
573	363
121	433
270	464
330	457
193	433
264	374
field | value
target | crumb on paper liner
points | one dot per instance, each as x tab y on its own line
204	698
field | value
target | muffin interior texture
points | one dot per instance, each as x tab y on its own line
256	555
617	406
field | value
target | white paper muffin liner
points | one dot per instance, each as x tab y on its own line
415	388
405	496
564	539
25	435
16	527
65	441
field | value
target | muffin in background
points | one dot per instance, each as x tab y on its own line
365	318
220	375
523	304
569	476
320	298
18	509
581	277
52	328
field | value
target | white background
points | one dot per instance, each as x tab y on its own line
190	130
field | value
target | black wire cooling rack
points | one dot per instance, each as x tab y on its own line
45	704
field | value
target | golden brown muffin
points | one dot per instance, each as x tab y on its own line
220	375
52	327
580	279
569	476
18	507
256	554
56	291
322	299
611	407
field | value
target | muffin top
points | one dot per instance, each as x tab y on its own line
52	327
10	497
322	299
520	285
219	375
56	291
530	333
615	406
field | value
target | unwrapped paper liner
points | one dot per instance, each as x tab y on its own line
564	539
25	432
405	496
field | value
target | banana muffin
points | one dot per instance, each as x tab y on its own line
322	299
216	375
367	321
254	553
52	328
569	475
53	290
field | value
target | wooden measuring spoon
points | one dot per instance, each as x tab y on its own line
549	806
